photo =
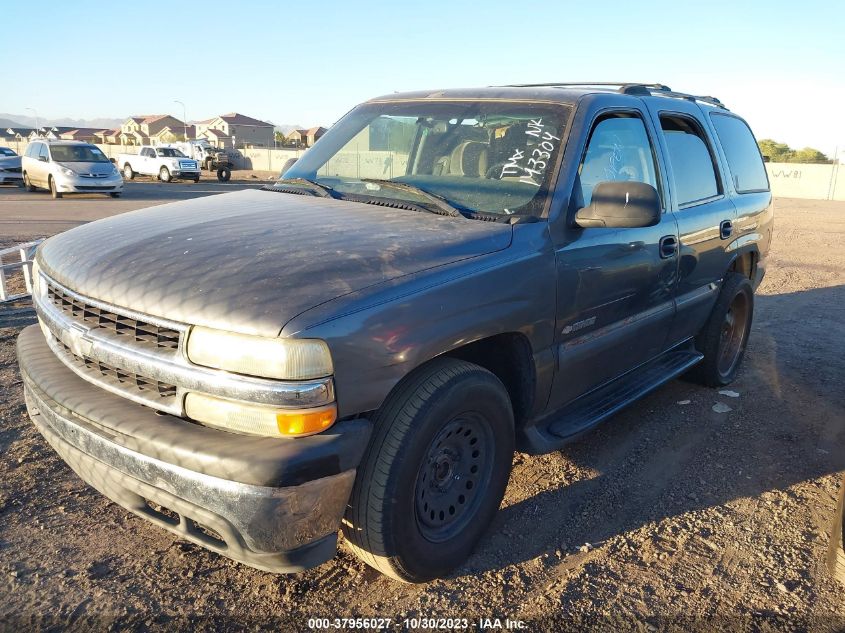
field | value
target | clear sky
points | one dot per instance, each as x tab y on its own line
780	64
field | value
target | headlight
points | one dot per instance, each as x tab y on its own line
285	359
67	172
256	419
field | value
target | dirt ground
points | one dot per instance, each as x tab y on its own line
671	516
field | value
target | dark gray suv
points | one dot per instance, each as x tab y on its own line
445	277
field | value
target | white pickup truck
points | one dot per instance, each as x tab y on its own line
166	163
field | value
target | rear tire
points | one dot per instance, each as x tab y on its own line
27	183
434	474
724	337
164	174
54	191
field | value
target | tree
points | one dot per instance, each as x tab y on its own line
809	155
783	153
280	138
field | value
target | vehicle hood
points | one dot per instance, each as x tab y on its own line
249	261
93	168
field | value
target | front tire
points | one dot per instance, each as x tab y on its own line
27	183
114	194
164	174
128	172
224	174
54	190
434	474
724	337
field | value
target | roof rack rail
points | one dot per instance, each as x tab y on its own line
628	88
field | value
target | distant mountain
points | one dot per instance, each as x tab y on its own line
20	120
4	123
286	128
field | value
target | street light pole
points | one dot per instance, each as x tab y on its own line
35	112
184	118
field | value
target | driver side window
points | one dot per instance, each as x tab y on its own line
618	150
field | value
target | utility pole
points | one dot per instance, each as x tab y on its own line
35	112
184	118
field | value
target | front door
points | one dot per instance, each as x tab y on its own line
615	285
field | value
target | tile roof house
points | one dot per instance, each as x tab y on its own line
229	130
88	134
144	129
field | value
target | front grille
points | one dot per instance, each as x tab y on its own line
120	377
140	331
187	164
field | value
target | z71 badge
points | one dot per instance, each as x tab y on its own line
578	325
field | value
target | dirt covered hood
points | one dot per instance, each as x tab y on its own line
251	260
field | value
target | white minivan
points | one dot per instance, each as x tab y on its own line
69	167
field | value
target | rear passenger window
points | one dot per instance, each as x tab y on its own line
691	159
744	161
618	149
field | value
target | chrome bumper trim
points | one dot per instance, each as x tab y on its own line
167	366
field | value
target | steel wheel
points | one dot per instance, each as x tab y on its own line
733	334
453	477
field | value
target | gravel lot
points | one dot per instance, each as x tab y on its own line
671	516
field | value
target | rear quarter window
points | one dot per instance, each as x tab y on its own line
743	155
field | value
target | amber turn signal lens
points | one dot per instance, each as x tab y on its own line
256	419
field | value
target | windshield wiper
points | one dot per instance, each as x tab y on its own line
440	202
319	190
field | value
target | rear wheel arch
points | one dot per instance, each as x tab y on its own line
745	263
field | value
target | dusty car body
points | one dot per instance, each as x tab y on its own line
69	167
10	167
437	301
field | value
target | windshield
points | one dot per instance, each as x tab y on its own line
489	157
77	154
169	152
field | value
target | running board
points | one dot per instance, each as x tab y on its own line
595	407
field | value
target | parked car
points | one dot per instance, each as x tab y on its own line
447	276
165	163
69	167
10	167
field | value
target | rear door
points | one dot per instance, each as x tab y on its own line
704	212
615	285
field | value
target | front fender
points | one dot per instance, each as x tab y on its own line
378	336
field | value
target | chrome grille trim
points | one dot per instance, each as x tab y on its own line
142	331
86	339
122	377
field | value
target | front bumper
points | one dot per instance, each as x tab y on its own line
15	177
80	184
185	173
274	504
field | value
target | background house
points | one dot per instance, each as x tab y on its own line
87	134
233	129
313	135
147	129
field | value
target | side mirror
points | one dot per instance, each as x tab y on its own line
43	159
113	161
621	205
